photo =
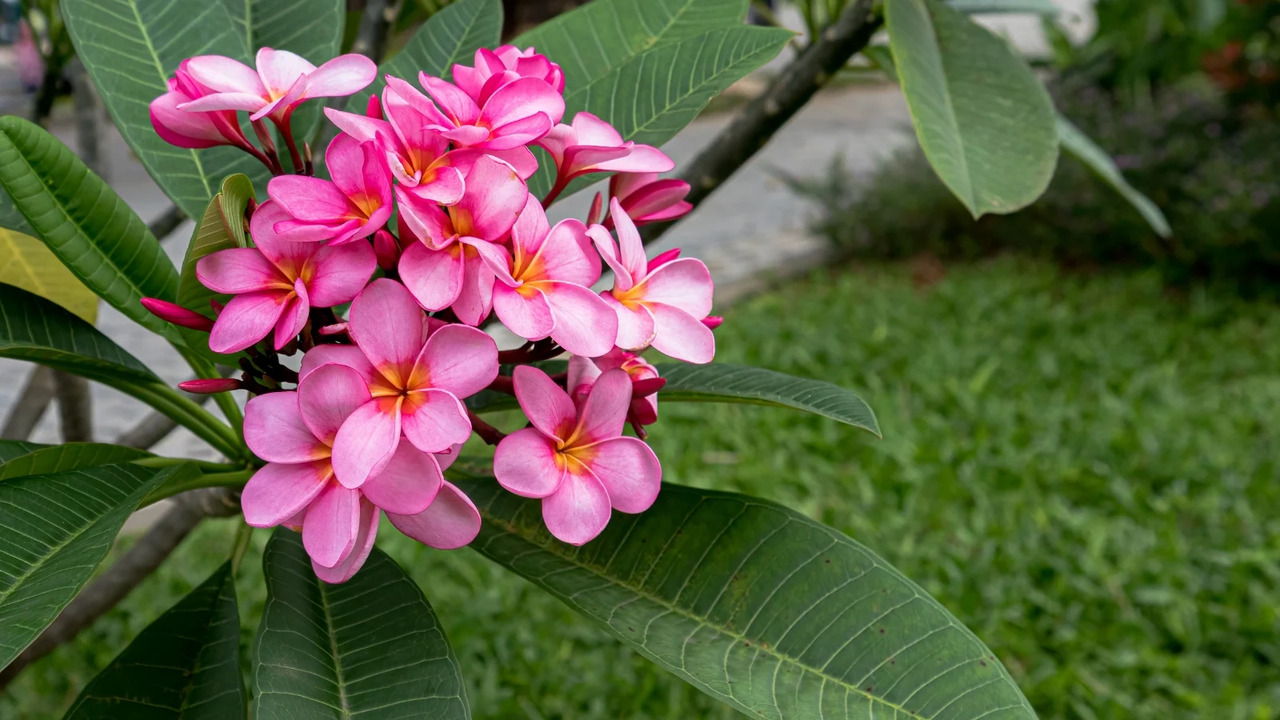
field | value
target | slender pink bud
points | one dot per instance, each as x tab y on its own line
712	321
374	108
217	306
647	386
335	329
663	258
386	249
177	314
596	215
209	386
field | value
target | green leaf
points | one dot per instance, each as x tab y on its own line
310	28
57	529
1096	159
1032	7
69	456
183	666
984	121
448	37
220	228
10	218
758	606
130	49
32	328
13	449
84	222
237	191
367	646
724	383
32	267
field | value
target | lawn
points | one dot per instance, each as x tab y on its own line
1082	468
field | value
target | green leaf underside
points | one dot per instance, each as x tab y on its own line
183	666
449	37
70	456
310	28
10	218
84	222
57	529
237	191
739	384
758	606
1096	159
985	122
32	328
370	646
131	48
27	263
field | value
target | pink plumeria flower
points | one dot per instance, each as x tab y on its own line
294	432
186	129
544	290
645	198
515	115
277	282
449	263
497	67
660	302
416	380
593	145
281	82
354	205
583	373
577	461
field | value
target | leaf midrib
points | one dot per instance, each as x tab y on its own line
515	531
333	650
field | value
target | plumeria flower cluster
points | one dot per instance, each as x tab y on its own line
390	318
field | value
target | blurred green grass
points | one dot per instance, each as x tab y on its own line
1082	468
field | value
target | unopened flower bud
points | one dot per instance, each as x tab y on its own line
386	249
177	314
596	215
209	386
712	321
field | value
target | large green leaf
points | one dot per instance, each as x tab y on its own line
131	48
310	28
13	449
220	228
84	222
1034	7
369	647
57	529
1096	159
448	37
723	383
759	606
30	265
10	218
32	328
69	456
184	666
984	121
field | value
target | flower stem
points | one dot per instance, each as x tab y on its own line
488	433
234	478
193	417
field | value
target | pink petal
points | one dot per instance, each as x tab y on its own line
681	335
580	159
224	101
345	158
451	521
557	140
605	411
641	159
360	127
684	284
408	483
635	325
467	135
582	374
629	470
520	99
275	431
495	196
424	219
365	538
182	128
280	69
348	355
458	359
246	320
222	74
544	402
366	441
518	133
343	75
455	103
608	249
284	252
519	158
387	325
476	297
584	323
331	525
327	396
528	317
293	317
568	256
280	108
525	464
434	277
578	510
446	188
630	246
340	273
278	491
531	228
398	89
591	130
239	270
310	199
434	420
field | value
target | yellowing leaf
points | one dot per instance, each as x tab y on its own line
28	264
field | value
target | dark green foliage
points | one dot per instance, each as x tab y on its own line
1216	178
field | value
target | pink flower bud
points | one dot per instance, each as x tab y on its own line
495	68
374	108
186	129
209	386
712	321
663	258
177	314
647	199
386	249
596	215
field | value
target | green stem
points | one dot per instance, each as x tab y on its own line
160	461
226	403
224	479
195	418
244	535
